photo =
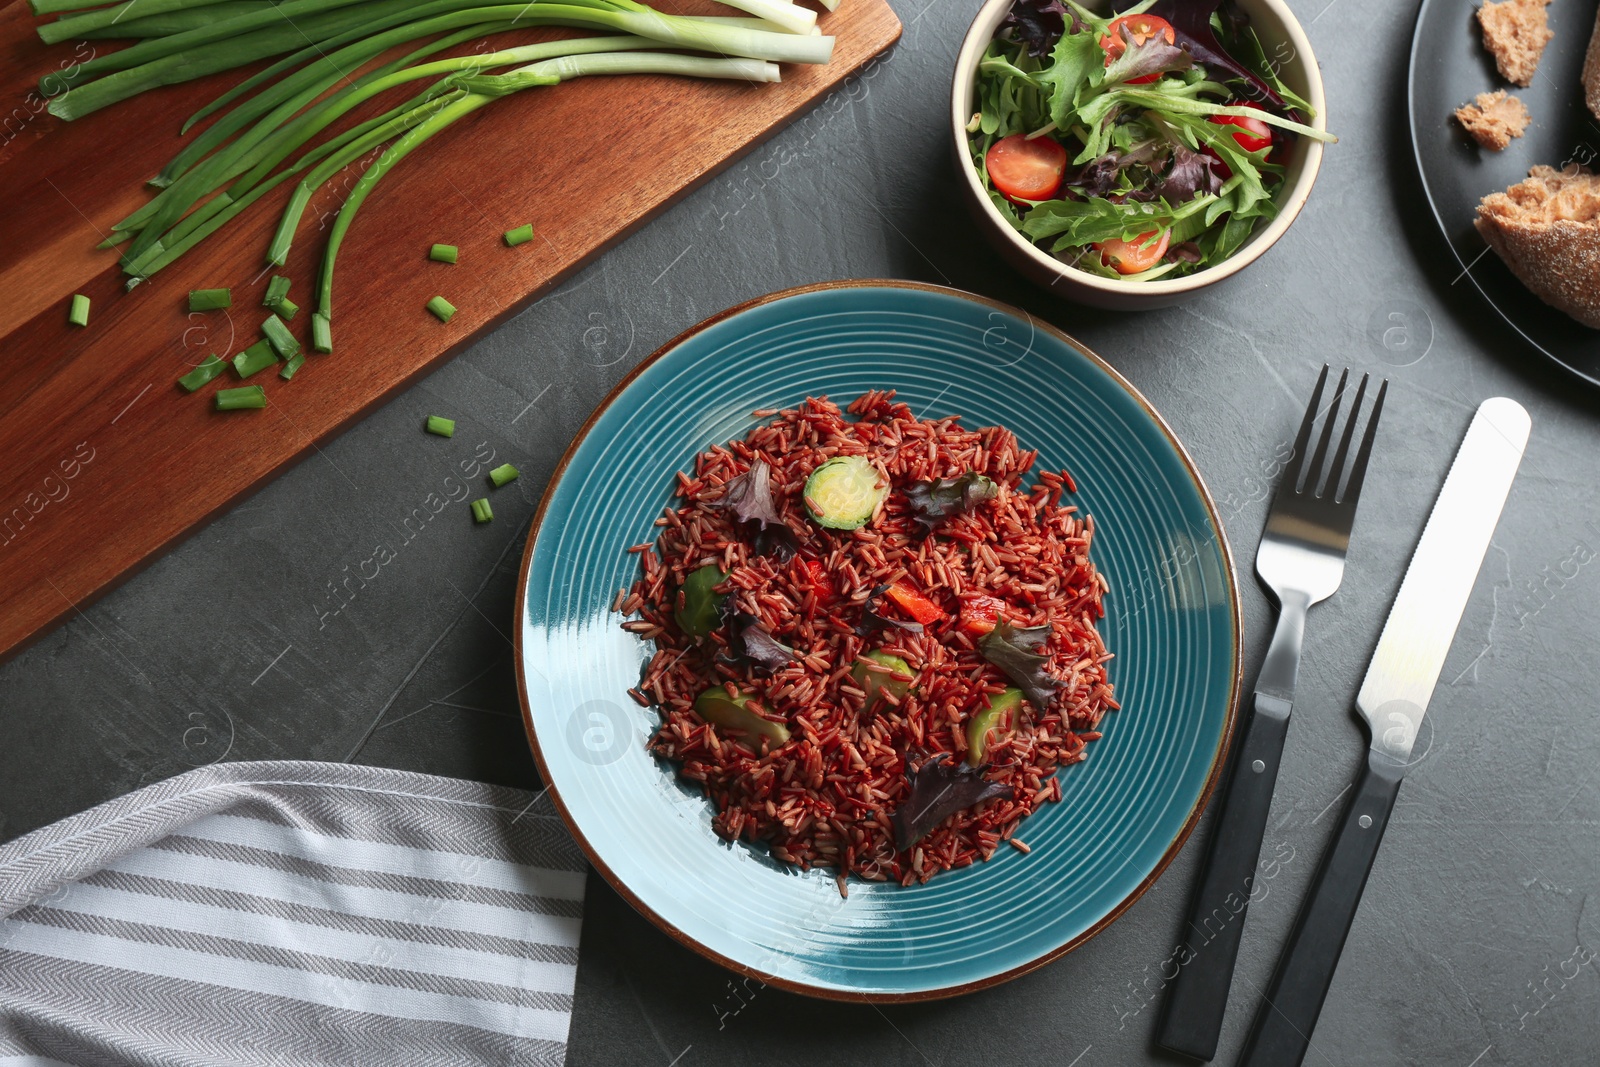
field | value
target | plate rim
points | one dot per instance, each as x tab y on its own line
1218	758
1412	129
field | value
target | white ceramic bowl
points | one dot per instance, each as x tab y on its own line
1281	38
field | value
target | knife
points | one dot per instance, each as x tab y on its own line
1393	698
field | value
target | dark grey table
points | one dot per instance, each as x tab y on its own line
1469	948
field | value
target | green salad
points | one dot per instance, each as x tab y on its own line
1139	146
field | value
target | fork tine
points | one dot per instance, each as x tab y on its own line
1314	474
1297	460
1336	472
1352	490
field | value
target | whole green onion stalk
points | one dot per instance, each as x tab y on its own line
266	125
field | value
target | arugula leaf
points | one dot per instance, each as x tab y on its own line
934	502
1082	222
1015	651
939	789
1077	56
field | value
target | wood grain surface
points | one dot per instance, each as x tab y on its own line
104	462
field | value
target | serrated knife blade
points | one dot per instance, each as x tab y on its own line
1433	595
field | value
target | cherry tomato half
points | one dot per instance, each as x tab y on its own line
1024	169
1141	28
1252	135
1136	256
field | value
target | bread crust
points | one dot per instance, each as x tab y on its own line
1591	70
1547	231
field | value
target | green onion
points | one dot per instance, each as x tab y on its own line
281	338
79	314
321	334
246	396
204	373
519	236
503	474
257	357
210	299
293	365
442	308
442	253
277	298
481	511
439	425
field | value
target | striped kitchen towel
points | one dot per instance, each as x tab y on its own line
286	914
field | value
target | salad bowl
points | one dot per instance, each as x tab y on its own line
1287	50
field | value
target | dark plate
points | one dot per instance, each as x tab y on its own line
1449	66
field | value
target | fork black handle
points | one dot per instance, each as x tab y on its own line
1198	995
1288	1012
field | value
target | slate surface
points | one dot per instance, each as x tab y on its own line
1471	944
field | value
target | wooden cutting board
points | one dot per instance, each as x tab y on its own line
104	462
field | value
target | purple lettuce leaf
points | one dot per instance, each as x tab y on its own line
1151	56
1038	24
1191	24
749	496
934	502
939	789
750	643
1189	175
1016	651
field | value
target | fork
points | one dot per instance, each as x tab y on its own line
1300	561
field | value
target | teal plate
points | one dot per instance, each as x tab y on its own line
1172	622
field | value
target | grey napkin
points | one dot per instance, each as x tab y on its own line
287	914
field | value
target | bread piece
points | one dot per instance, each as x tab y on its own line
1515	33
1493	119
1591	70
1547	230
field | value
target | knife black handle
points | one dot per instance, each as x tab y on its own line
1196	999
1288	1012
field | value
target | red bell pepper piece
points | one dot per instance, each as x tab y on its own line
979	614
913	603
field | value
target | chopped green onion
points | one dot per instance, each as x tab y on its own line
246	396
286	308
281	338
481	511
277	289
519	236
442	308
321	332
210	299
442	253
257	357
293	365
441	426
205	372
503	474
79	315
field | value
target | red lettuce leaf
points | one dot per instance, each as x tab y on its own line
749	497
751	643
939	789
